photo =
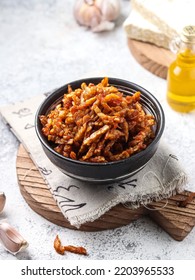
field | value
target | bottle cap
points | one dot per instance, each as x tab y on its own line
188	34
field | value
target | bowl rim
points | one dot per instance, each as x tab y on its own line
136	87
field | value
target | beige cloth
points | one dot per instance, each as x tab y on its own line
83	202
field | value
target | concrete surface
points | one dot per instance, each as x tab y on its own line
41	48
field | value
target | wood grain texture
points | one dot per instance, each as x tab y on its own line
176	221
153	58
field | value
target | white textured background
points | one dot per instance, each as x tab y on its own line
42	48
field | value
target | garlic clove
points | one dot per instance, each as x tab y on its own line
2	201
86	13
110	9
11	239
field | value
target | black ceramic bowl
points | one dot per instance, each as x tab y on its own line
110	171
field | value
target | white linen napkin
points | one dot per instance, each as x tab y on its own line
82	202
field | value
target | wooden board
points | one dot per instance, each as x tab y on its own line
153	58
175	220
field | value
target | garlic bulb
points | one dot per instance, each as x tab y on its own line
2	201
86	13
97	14
11	239
110	9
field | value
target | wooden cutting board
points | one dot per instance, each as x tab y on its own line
175	220
153	58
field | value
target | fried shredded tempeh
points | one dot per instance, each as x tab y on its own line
62	249
98	123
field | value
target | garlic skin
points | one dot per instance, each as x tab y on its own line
2	201
104	26
11	239
97	14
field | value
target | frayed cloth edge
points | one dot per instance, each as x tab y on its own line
172	188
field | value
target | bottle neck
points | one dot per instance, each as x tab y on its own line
186	52
187	49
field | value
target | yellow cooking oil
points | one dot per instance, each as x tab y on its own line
181	74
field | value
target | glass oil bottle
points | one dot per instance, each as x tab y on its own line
181	73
